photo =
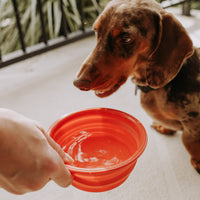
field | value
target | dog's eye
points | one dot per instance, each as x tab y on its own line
126	39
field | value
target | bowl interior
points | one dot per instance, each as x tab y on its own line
99	139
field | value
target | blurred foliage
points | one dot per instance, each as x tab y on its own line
31	24
195	3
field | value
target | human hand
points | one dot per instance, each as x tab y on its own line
29	158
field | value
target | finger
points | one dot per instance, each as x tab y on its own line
62	176
66	157
39	127
13	188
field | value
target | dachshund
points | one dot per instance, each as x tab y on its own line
141	40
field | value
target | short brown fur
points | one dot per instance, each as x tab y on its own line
139	39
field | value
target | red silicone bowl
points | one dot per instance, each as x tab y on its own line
104	143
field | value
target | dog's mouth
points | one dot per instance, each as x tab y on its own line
105	91
103	87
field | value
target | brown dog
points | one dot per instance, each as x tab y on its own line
139	39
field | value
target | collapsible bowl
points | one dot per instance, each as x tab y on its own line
104	143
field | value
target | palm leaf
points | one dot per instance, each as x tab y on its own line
30	20
50	18
57	18
33	21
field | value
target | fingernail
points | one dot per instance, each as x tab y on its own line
68	158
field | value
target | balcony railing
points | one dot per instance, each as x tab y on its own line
63	39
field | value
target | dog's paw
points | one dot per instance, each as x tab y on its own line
161	129
196	164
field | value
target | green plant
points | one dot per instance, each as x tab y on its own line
196	5
31	24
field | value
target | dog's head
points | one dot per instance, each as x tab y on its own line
138	39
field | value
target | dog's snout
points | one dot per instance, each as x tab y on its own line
87	76
82	84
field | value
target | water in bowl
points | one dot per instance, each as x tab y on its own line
99	150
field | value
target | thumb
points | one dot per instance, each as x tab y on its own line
66	157
61	176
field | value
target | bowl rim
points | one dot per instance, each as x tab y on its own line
135	156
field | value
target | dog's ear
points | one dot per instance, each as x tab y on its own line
173	47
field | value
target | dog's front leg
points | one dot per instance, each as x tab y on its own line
191	140
163	130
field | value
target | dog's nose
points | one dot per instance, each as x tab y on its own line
82	84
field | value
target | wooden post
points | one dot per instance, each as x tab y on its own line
186	8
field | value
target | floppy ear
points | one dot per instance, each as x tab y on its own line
173	47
